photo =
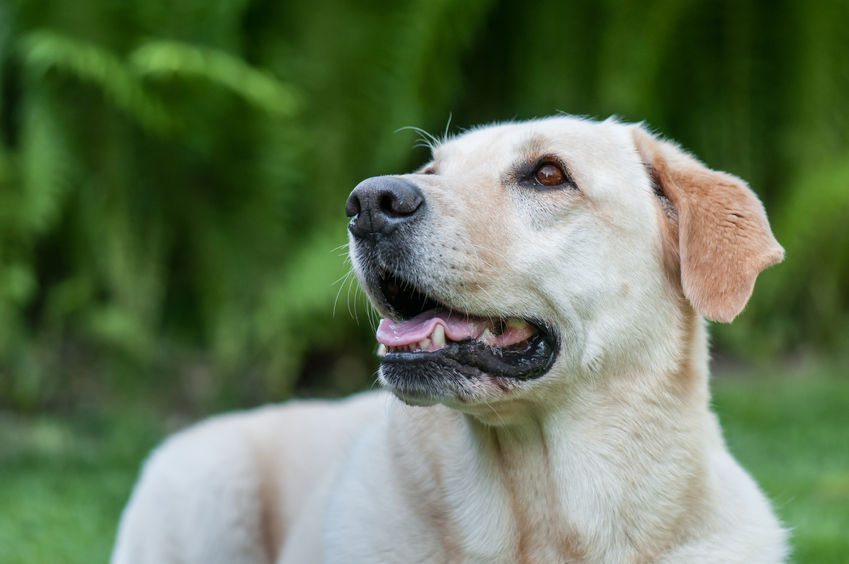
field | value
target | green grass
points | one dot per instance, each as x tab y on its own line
64	479
790	429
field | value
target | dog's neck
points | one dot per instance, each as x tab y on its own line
635	439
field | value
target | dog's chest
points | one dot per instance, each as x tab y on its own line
507	504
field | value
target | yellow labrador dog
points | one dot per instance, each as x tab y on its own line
544	286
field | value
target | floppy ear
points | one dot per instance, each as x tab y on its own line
722	235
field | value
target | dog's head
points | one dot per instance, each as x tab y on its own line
526	255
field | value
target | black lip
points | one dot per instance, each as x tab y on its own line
524	361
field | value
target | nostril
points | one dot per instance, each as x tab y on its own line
387	204
352	206
399	201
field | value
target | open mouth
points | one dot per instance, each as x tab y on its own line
432	336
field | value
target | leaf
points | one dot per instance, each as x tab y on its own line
44	51
160	58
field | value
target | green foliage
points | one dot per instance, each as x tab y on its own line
44	51
172	177
176	59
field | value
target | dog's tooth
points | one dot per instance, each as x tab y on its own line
382	350
486	337
517	323
424	344
438	335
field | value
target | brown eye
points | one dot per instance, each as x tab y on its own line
549	175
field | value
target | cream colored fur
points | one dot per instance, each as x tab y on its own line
612	456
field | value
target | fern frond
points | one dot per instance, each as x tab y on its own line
44	51
44	168
157	58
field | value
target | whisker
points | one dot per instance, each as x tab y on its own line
352	312
447	126
343	279
430	141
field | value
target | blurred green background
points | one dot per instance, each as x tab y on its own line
172	187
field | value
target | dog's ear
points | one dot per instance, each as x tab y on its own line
717	226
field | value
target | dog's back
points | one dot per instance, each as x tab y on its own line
230	488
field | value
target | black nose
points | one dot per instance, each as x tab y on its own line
380	204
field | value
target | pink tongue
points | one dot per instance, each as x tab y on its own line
457	328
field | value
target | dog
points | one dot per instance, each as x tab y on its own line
544	287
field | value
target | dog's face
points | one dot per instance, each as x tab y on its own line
526	256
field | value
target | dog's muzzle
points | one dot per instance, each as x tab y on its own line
430	349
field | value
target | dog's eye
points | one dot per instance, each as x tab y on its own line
429	169
549	174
